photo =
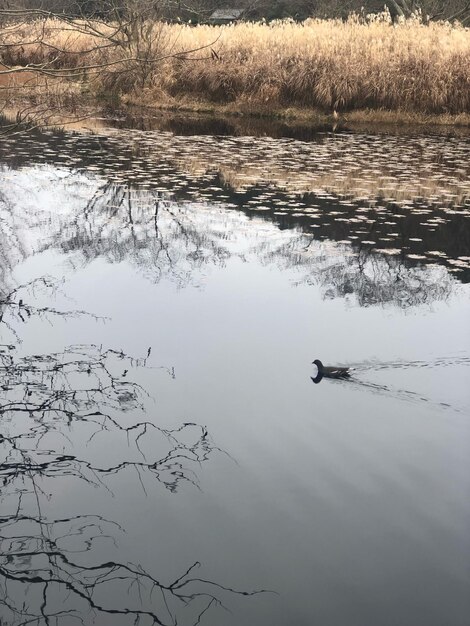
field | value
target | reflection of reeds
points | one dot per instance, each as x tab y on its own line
324	64
360	179
368	188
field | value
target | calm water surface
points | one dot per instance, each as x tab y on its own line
164	455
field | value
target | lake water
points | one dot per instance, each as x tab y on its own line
164	455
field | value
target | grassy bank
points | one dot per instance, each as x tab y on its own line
357	68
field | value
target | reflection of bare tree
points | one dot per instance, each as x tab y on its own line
11	244
377	279
55	411
373	278
140	222
161	237
167	239
18	221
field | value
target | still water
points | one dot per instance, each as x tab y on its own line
164	455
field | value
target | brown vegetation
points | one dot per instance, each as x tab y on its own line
318	64
332	65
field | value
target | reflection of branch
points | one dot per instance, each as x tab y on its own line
13	306
84	392
170	470
58	571
35	552
80	385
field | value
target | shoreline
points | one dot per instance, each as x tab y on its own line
92	114
302	115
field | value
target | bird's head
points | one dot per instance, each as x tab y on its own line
319	365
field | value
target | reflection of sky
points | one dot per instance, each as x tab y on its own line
335	485
351	502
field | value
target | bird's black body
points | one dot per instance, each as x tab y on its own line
329	372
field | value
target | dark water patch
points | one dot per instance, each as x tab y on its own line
188	124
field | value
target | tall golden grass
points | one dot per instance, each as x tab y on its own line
322	64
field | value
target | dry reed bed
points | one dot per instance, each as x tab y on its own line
316	64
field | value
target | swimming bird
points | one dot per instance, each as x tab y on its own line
329	372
